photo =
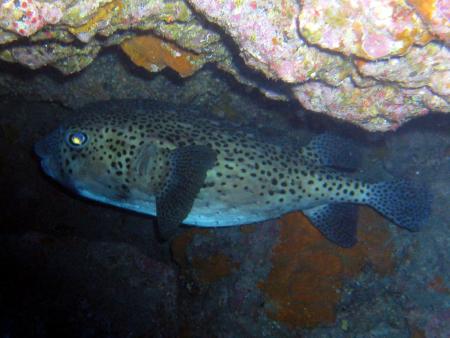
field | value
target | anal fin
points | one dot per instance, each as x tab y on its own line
337	222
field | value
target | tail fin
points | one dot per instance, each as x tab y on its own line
406	204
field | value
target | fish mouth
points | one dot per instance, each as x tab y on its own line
49	167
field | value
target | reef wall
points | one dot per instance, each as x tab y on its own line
376	64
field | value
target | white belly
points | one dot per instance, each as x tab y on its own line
203	213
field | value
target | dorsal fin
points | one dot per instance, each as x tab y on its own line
331	150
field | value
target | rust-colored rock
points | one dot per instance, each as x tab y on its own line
181	243
206	269
438	284
308	271
248	229
213	268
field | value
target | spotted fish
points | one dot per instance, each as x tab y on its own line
159	161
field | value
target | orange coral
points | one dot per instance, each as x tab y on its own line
425	8
435	14
154	54
308	271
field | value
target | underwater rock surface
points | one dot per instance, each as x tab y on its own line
75	268
376	64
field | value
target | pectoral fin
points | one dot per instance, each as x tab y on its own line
337	222
187	172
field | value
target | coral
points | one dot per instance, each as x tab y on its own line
305	46
267	37
436	13
428	66
86	19
67	58
26	17
308	272
378	107
101	19
82	12
155	54
367	29
7	37
268	40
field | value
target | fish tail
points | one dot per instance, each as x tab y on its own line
405	203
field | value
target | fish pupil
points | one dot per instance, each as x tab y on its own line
77	139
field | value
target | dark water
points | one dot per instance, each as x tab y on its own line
76	268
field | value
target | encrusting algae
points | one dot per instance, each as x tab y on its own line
308	272
101	18
154	54
208	269
213	268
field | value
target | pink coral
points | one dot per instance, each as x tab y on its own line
426	66
26	17
266	33
270	42
286	40
376	45
436	14
380	107
368	29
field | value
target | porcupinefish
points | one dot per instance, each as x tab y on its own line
160	162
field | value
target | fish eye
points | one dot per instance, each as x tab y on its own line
76	139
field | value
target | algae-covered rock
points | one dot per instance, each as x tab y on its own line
346	50
66	58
